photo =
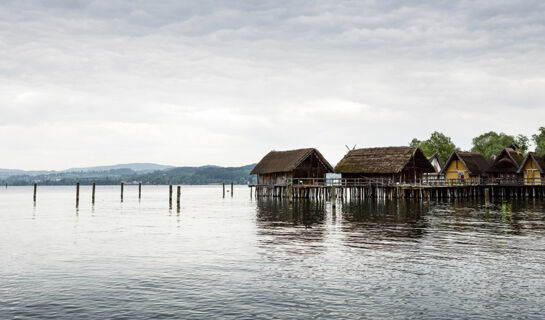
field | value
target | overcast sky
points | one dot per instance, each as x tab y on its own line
223	82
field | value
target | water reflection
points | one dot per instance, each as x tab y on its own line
371	224
272	212
515	216
293	228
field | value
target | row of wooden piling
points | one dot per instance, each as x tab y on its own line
93	191
399	192
231	190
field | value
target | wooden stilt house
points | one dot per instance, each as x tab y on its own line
532	169
393	164
465	168
506	165
280	168
436	176
435	161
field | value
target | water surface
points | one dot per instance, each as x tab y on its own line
242	258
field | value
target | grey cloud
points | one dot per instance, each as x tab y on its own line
252	76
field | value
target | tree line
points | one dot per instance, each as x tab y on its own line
180	175
488	144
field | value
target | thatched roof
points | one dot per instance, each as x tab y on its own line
286	161
475	163
540	161
385	160
438	158
508	161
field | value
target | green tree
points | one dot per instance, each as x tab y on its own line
491	143
437	142
523	143
415	142
539	140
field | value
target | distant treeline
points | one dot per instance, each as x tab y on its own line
181	175
487	144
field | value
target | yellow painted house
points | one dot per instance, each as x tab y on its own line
465	168
532	169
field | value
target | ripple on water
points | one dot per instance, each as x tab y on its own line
246	259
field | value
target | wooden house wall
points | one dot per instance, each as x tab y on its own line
281	178
408	175
531	173
455	170
312	167
435	165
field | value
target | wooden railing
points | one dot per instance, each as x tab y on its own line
378	182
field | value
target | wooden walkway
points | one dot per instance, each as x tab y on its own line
347	189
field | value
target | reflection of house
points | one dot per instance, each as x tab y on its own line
280	167
532	168
398	164
465	167
506	165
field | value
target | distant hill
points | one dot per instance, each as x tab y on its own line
4	173
200	175
138	167
136	172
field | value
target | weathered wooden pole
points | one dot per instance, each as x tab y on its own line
122	184
93	193
139	190
170	195
35	187
486	197
231	189
178	194
290	193
224	189
333	196
77	194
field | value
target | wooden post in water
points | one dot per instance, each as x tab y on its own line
178	193
290	193
170	196
35	187
224	189
486	196
77	194
250	192
333	196
139	190
122	184
93	194
231	189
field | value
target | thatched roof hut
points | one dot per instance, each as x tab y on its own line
508	161
539	162
385	162
286	161
435	161
474	162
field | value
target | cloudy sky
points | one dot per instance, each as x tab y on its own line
223	82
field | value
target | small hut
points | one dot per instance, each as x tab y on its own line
532	168
465	167
506	165
396	164
280	168
435	161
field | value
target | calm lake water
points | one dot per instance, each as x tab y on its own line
245	259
